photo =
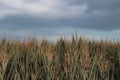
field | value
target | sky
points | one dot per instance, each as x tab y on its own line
55	18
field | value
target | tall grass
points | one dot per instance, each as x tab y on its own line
75	59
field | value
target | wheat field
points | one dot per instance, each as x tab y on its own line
74	59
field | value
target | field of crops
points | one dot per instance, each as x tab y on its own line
75	59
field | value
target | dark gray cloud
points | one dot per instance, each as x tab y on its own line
100	21
98	4
101	15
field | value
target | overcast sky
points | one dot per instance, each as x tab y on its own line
53	18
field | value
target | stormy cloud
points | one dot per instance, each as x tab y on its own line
52	17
